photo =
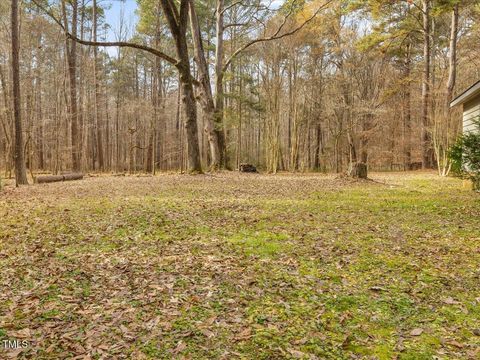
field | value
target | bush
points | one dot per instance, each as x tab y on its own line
465	156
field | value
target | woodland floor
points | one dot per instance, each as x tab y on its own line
234	266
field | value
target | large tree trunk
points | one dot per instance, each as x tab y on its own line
443	124
190	108
207	102
71	50
20	170
219	94
407	110
178	27
358	170
426	138
365	138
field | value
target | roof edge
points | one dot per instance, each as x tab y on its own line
466	95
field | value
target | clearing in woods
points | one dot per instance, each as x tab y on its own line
242	266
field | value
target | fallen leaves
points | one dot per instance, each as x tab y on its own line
143	268
21	334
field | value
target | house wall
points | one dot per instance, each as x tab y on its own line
471	111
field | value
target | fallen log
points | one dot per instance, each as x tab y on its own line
247	168
70	177
56	178
48	179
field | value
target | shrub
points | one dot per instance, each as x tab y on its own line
465	156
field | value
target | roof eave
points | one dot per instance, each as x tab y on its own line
467	95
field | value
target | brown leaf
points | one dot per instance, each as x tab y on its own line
180	347
210	320
209	334
297	354
416	332
124	329
244	334
456	344
450	301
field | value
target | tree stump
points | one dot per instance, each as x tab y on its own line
358	170
247	168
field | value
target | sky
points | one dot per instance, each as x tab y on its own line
113	14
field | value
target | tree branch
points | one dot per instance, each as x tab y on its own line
275	36
146	48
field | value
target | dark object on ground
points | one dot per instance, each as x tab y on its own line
415	166
247	168
358	170
56	178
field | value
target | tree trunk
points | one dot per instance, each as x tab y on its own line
207	102
452	70
318	146
426	138
20	170
358	170
71	50
407	110
101	165
443	127
178	27
219	94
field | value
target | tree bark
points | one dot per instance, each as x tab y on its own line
219	72
358	170
100	159
407	109
426	138
452	70
71	50
20	170
207	102
178	21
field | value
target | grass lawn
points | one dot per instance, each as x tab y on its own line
241	267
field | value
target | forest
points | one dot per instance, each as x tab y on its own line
288	86
240	179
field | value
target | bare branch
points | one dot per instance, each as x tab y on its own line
146	48
231	6
275	36
225	27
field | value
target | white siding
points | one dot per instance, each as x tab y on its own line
471	111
